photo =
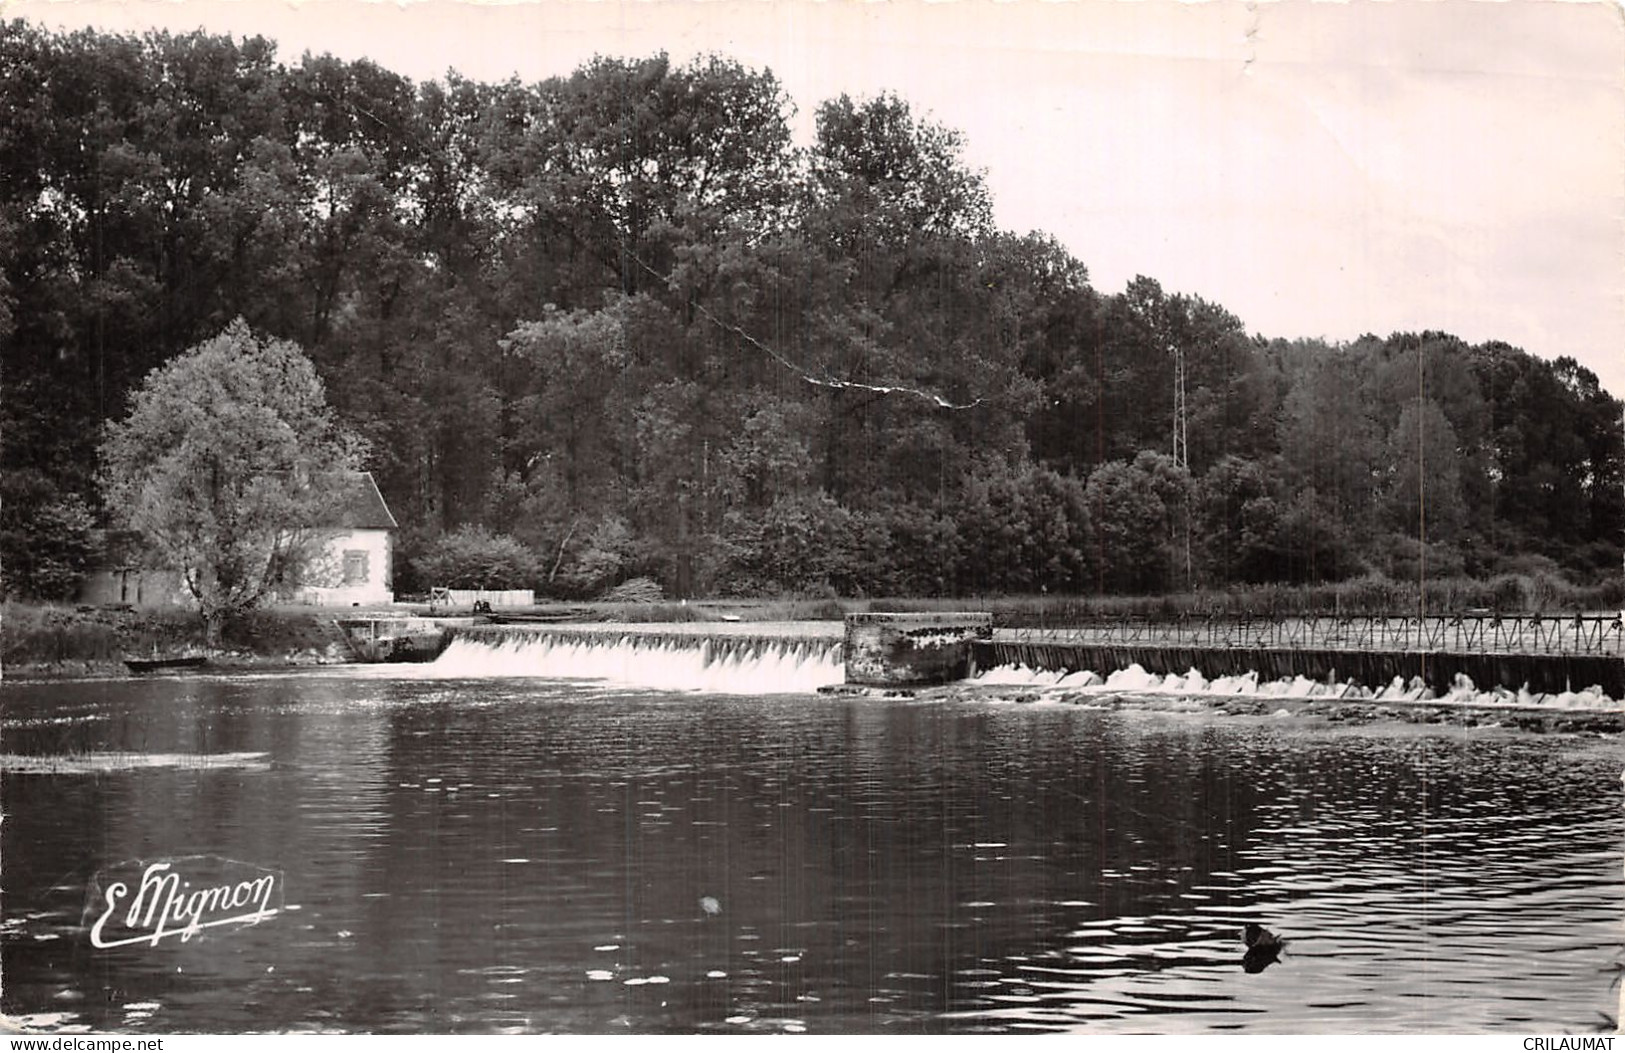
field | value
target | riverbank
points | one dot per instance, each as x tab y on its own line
42	641
48	642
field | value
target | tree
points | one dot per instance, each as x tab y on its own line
901	175
751	341
1423	491
1134	508
800	545
1237	523
1436	367
597	562
1329	437
1023	529
577	362
1313	542
135	219
219	466
46	539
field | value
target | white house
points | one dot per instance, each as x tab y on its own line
353	554
350	563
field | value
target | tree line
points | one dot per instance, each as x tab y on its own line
619	324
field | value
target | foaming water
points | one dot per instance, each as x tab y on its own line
1193	684
710	666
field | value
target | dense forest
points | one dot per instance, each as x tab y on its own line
620	324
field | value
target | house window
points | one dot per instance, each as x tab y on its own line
355	566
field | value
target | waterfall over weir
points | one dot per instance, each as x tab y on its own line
715	664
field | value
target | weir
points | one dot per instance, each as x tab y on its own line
914	650
671	657
1541	673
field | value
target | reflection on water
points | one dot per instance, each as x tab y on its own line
516	855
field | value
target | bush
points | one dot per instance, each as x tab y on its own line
601	555
1025	530
1313	543
474	558
650	612
920	555
1404	558
64	634
636	590
801	545
1528	565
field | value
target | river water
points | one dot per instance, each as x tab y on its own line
501	855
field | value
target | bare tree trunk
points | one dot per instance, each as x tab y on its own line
213	626
559	562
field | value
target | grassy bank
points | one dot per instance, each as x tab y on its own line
48	639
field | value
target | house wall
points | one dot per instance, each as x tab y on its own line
369	579
353	568
144	589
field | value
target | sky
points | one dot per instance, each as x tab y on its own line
1321	169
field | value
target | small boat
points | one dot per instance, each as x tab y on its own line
148	665
541	618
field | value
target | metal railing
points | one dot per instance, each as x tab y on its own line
1580	634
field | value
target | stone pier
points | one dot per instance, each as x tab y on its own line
912	650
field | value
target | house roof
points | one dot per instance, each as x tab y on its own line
359	505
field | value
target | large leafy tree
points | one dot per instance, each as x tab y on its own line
1024	529
47	540
1137	510
222	465
140	210
1329	434
910	293
1422	491
1237	519
611	172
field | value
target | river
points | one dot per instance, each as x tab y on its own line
528	855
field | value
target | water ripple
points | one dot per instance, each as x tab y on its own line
532	856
